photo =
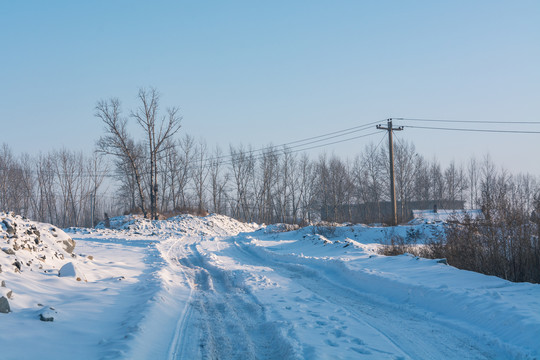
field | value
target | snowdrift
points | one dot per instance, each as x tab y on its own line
32	246
181	225
30	249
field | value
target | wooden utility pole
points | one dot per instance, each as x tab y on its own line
92	202
390	130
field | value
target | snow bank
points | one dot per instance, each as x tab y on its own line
277	228
181	225
51	314
31	254
444	215
32	246
118	222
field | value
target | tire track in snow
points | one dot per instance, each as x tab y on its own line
405	329
225	321
176	347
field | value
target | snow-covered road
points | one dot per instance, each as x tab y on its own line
214	288
267	294
246	303
226	321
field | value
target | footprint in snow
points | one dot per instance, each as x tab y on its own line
361	351
338	333
331	343
315	299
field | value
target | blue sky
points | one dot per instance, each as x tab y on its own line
256	72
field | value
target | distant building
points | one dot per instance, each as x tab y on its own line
381	212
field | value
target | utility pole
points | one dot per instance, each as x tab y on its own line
92	200
390	130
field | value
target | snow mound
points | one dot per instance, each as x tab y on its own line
181	225
444	216
278	228
32	246
118	222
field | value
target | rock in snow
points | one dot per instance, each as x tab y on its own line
68	245
4	305
47	314
70	270
5	292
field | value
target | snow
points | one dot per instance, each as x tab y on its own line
70	270
430	216
212	287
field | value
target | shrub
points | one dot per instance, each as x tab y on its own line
398	245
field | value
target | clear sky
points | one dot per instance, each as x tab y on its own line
256	72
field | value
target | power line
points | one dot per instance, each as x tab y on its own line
230	162
474	130
322	137
228	159
340	141
274	148
470	121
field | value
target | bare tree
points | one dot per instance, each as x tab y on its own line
488	183
340	188
437	181
218	181
46	189
473	175
68	168
451	179
404	154
283	196
422	182
96	171
157	131
455	182
307	188
243	166
373	165
335	188
13	186
28	185
269	173
119	143
200	174
180	164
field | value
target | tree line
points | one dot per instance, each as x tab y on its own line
61	187
164	172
